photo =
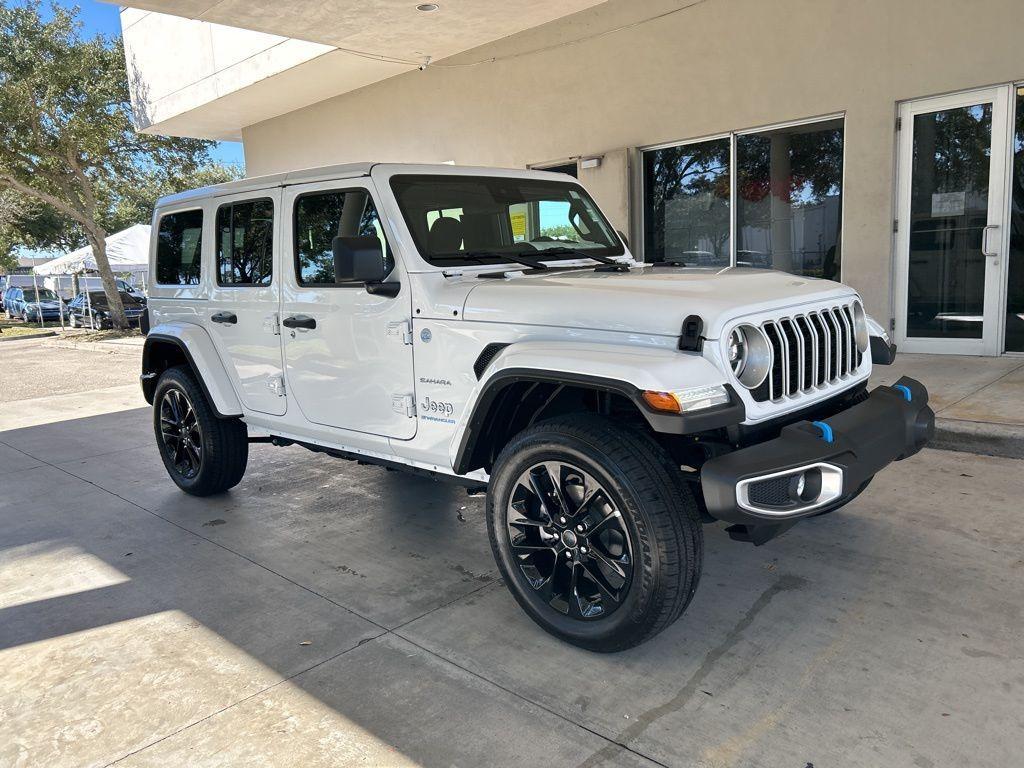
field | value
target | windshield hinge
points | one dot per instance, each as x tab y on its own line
404	404
400	330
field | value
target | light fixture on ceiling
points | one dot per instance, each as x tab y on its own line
427	7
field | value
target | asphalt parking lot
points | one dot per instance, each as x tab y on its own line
325	613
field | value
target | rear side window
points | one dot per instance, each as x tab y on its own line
179	248
322	216
245	242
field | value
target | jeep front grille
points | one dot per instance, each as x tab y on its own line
809	351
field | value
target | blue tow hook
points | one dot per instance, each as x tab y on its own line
907	395
826	431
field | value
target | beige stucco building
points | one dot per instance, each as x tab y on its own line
751	132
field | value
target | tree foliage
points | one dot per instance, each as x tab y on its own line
67	139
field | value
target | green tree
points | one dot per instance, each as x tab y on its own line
67	139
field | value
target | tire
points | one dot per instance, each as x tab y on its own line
202	453
637	517
71	320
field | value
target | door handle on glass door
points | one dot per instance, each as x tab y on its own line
225	317
986	249
299	321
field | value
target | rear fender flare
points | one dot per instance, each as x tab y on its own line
196	346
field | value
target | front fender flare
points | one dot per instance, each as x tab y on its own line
197	348
624	370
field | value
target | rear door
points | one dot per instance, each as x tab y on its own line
242	316
348	354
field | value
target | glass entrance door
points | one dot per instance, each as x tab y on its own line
952	222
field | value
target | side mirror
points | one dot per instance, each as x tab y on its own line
358	260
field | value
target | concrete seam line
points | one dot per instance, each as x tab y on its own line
204	538
980	389
530	702
240	701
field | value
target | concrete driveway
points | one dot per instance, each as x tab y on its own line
324	613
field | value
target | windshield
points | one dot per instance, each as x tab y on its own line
461	220
99	297
45	294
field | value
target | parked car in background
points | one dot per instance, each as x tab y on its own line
94	303
30	303
12	281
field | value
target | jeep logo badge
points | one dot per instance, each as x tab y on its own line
425	335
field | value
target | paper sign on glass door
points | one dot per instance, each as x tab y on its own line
948	204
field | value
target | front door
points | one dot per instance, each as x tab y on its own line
348	350
952	222
244	300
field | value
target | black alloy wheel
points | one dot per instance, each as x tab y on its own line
569	540
594	534
180	433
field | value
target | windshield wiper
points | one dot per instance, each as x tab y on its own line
670	262
480	256
563	251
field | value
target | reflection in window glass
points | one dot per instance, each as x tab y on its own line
179	248
245	242
949	193
322	216
686	204
789	199
1015	286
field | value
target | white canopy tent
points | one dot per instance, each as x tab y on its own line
127	251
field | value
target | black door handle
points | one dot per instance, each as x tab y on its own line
225	317
299	321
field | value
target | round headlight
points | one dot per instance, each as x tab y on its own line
749	354
737	351
860	327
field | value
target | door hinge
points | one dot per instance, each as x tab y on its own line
899	124
400	330
895	225
276	385
404	404
892	323
272	324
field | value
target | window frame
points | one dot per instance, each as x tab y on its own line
156	246
389	252
639	203
216	245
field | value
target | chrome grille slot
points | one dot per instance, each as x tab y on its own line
811	350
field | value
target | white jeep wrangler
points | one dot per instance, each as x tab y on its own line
490	328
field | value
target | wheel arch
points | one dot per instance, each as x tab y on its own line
167	346
529	382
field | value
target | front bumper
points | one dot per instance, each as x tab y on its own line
760	486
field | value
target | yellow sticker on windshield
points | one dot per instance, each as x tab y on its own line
518	220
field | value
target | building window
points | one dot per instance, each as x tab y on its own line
686	204
179	247
782	202
245	242
322	216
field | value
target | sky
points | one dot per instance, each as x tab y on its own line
104	19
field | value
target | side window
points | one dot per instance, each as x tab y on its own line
245	242
179	248
322	216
